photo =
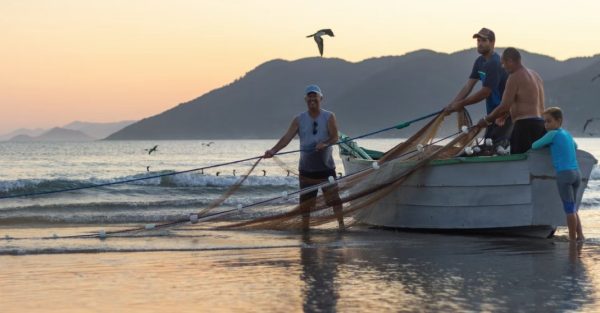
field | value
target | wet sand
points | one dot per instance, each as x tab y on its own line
191	270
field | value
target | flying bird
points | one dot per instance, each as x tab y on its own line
153	149
208	144
588	121
317	36
595	77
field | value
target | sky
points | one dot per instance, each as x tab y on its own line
113	60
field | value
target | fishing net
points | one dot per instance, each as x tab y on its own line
344	197
340	199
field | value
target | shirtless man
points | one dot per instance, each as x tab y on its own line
524	98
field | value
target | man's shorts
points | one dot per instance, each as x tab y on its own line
525	133
308	179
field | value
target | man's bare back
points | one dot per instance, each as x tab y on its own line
523	98
527	88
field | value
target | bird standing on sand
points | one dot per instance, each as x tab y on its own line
596	77
218	173
147	168
233	172
264	173
317	36
153	149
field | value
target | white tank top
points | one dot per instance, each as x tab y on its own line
311	132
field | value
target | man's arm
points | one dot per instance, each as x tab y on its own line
508	99
284	141
333	133
462	95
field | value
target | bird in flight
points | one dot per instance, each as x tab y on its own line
208	144
153	149
317	36
588	121
596	77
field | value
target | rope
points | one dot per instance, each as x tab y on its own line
399	126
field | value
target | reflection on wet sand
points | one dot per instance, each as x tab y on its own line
437	272
319	270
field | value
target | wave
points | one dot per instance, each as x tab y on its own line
129	216
595	173
28	186
112	206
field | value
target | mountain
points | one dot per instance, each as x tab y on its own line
97	130
56	134
21	138
365	96
23	131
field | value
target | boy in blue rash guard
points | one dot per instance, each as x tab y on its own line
564	159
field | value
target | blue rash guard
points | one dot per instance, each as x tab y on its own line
562	147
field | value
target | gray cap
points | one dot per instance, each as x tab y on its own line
485	34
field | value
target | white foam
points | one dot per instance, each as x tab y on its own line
25	186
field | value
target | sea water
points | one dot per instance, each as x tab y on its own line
197	268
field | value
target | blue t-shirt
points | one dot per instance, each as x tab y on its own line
492	75
562	147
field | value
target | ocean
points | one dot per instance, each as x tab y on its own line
198	268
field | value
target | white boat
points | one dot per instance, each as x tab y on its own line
512	194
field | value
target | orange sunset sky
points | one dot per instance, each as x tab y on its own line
106	61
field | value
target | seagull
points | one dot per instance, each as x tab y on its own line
588	121
595	77
319	40
153	149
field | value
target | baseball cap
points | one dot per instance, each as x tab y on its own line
313	88
485	34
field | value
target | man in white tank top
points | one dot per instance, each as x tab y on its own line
317	130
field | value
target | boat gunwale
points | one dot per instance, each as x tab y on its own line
456	160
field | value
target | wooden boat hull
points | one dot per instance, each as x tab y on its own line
510	194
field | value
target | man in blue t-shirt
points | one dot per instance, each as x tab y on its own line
487	69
